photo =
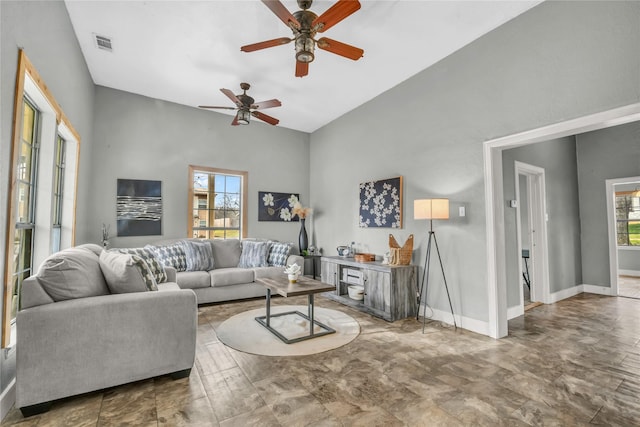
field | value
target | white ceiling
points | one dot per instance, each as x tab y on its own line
185	51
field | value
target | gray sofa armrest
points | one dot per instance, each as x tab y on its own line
171	274
296	259
77	346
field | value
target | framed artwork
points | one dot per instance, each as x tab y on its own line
139	207
274	206
381	203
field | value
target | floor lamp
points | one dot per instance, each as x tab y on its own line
431	209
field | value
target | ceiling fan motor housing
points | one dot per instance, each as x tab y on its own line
305	45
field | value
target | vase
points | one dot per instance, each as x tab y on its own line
303	240
293	278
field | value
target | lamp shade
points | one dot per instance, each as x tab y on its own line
431	209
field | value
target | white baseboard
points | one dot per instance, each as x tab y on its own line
594	289
473	325
7	399
634	273
565	293
515	311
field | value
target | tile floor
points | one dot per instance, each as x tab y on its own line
629	286
573	363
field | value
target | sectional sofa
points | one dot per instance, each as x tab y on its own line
92	319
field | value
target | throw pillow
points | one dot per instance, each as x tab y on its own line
157	268
171	255
126	273
279	253
254	254
199	255
72	273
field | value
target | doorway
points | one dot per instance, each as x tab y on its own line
531	230
623	217
494	206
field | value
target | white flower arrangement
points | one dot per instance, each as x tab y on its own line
293	269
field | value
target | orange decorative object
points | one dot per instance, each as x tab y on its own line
364	257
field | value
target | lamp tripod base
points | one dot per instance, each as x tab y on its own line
425	281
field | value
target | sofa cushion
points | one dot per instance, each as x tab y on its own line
172	255
193	279
72	273
168	286
231	276
269	272
126	273
199	255
278	253
226	252
254	254
156	267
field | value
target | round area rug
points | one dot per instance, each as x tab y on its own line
242	332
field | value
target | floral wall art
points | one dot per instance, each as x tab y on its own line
274	206
381	203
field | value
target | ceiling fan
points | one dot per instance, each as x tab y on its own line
247	107
305	24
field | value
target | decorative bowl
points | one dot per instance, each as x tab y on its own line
343	250
356	292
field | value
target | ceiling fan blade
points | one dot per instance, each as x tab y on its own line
232	97
340	48
282	13
265	118
302	69
212	106
335	14
266	104
235	121
265	44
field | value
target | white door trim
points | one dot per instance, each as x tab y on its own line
611	228
494	200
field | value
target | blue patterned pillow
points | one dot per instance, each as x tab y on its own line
156	268
254	254
171	255
279	253
199	255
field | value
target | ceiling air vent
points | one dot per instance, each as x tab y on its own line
103	42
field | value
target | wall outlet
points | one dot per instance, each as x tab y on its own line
513	203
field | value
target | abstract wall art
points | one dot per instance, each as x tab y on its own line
139	207
381	203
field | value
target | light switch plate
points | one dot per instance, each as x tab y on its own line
461	211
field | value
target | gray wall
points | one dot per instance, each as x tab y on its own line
604	154
143	138
558	61
558	159
44	31
629	259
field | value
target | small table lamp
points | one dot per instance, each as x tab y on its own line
431	209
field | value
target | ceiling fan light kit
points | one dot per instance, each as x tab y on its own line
305	25
247	107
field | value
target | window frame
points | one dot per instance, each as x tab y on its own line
244	176
53	122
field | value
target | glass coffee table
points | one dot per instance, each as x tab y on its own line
304	286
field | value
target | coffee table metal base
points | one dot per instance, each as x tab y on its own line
266	322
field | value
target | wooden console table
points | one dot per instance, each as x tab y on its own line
389	290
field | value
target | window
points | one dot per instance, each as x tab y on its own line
628	218
58	189
217	199
43	177
23	235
